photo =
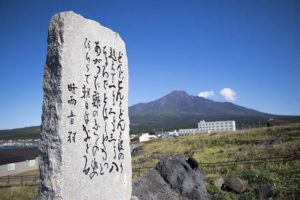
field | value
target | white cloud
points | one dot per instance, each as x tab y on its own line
206	94
228	94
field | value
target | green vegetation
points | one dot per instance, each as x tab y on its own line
19	193
279	141
25	192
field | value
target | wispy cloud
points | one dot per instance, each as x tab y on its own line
228	94
206	94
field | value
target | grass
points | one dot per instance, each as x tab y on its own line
277	141
24	192
19	193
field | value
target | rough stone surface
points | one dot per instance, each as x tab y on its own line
173	178
84	151
134	198
237	185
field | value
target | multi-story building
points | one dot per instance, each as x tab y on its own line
189	131
216	126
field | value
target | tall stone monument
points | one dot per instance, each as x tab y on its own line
84	148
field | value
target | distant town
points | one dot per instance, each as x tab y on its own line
20	143
203	127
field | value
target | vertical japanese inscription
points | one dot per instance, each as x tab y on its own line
84	151
100	95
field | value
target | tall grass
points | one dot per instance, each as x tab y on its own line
19	193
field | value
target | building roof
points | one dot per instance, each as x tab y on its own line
18	155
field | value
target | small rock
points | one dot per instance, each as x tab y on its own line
265	191
241	149
237	185
239	159
219	182
136	149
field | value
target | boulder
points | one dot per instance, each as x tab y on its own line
173	178
237	185
152	187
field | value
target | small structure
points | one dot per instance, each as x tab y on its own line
146	137
219	126
173	133
14	161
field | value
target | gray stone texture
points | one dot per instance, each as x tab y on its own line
84	151
173	178
237	185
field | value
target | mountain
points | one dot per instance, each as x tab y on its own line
180	110
32	132
177	110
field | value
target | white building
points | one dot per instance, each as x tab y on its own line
217	126
146	137
18	160
189	131
173	133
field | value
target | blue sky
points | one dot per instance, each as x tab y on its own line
251	47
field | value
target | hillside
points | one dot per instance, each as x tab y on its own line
32	132
180	110
265	157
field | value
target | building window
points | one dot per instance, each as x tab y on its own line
11	167
31	163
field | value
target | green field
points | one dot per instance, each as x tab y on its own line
241	146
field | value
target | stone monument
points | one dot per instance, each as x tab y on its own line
84	150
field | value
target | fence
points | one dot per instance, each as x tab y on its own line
9	181
257	161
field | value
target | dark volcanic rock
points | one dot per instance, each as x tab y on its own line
136	149
173	178
193	163
152	187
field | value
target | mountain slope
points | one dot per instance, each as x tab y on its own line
32	132
180	110
177	110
